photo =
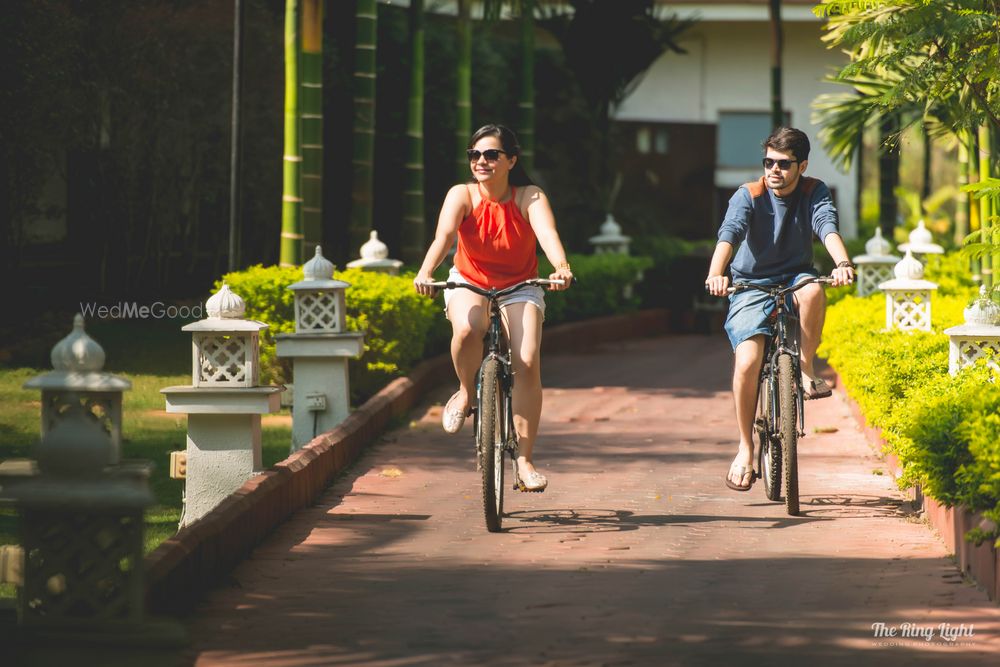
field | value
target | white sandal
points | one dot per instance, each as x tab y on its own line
531	482
452	419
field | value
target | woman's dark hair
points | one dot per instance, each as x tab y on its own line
789	140
508	140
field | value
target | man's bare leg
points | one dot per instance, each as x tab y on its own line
746	372
812	313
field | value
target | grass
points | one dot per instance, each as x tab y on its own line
152	355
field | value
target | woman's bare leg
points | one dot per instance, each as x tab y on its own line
524	330
469	320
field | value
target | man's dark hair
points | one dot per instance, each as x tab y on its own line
789	140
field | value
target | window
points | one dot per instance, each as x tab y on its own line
741	134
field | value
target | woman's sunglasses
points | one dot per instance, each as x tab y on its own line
783	165
491	154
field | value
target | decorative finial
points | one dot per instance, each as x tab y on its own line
373	248
909	268
225	304
877	245
77	351
318	268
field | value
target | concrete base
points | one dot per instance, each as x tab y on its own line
318	376
223	441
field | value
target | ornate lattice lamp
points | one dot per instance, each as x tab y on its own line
978	338
908	296
875	266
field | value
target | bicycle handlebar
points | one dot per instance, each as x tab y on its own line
493	291
776	290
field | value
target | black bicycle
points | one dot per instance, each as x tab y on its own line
780	419
493	413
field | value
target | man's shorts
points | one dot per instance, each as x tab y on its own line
532	294
750	309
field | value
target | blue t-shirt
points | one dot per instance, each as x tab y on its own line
767	241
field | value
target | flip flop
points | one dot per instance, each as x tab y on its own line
531	482
744	470
817	388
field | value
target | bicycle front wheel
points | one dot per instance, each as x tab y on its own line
489	443
770	443
789	428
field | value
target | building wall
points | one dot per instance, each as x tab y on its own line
727	68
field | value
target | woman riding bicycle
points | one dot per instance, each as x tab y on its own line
497	216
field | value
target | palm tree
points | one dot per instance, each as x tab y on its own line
414	229
366	20
291	199
312	123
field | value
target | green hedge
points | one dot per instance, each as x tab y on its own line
397	321
944	430
402	327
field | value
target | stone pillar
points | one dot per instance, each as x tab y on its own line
319	349
78	381
224	404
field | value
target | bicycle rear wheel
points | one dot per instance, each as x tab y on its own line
767	432
489	443
789	427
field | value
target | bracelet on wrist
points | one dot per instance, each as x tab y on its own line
563	265
846	264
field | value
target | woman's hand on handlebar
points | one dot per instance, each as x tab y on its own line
717	285
564	274
422	284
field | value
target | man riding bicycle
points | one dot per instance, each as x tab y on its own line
773	221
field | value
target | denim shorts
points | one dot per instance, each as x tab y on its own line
532	294
750	309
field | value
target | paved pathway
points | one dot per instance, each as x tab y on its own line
636	555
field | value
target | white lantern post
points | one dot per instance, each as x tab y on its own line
978	338
875	266
908	296
375	257
921	242
610	240
78	381
319	349
224	404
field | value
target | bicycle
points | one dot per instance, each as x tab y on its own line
493	413
780	418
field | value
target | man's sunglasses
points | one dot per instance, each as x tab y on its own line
783	165
491	154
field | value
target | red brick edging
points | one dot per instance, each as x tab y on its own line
180	569
982	562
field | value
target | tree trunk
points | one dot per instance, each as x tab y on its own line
777	49
366	18
312	125
526	122
888	166
463	90
414	225
291	198
962	197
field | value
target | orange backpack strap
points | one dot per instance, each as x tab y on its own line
756	188
808	185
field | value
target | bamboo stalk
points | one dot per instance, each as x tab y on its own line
526	123
291	198
962	197
985	223
311	109
463	92
366	18
414	225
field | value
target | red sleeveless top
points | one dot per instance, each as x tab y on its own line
496	245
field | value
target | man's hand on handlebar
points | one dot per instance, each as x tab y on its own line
842	274
717	285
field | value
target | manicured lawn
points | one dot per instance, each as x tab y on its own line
152	355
